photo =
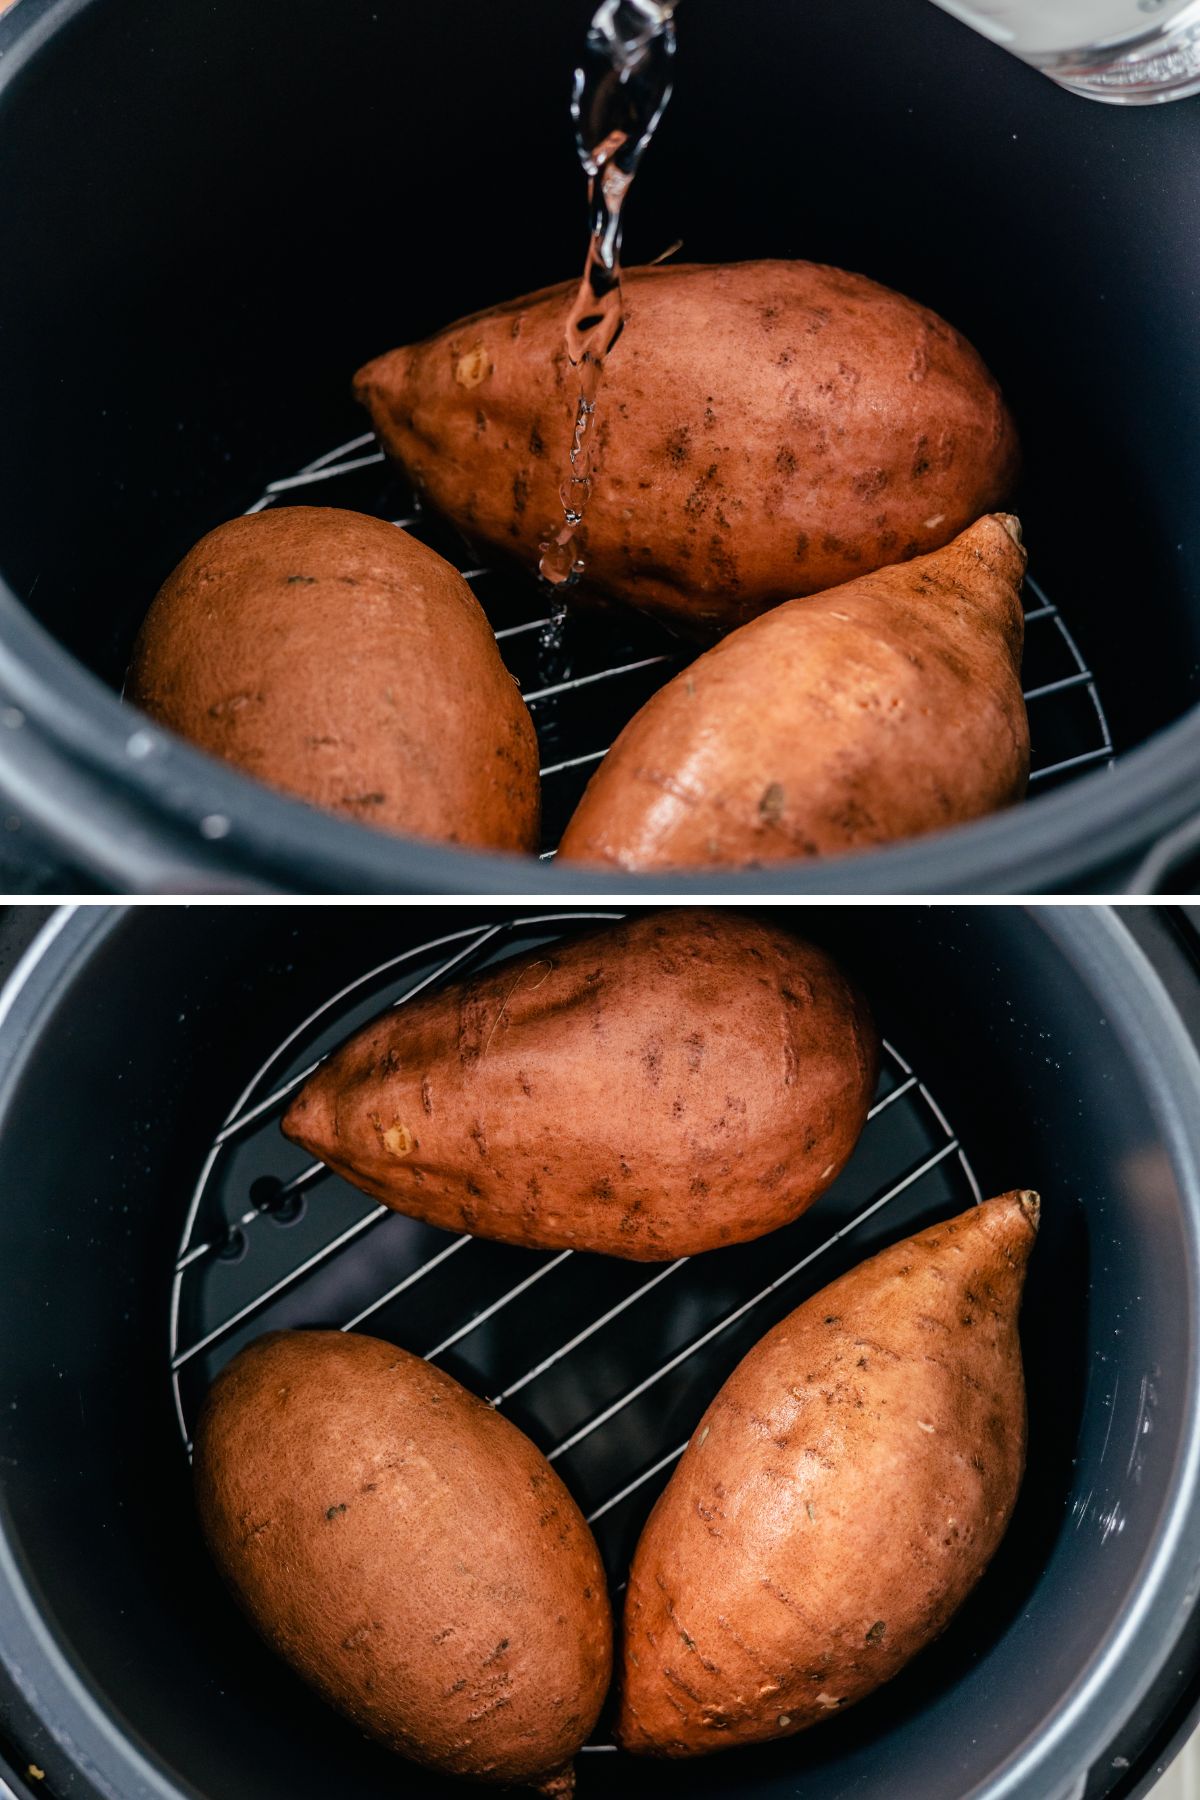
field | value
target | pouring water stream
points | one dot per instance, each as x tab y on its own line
621	91
622	88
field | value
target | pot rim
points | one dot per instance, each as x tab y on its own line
147	812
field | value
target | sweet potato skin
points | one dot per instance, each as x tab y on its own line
334	656
409	1552
840	1498
887	709
766	430
681	1081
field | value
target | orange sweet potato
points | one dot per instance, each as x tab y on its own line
840	1498
337	658
681	1081
888	708
765	430
409	1552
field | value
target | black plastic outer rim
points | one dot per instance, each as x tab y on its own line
136	824
1104	951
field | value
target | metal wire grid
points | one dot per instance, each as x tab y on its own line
611	1366
584	687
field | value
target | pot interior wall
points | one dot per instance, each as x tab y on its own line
212	214
159	1019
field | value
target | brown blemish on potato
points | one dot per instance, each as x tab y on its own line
398	1140
474	366
772	803
677	446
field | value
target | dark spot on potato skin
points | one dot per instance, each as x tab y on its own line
870	484
771	805
677	446
724	565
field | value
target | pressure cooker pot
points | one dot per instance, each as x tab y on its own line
154	1220
212	215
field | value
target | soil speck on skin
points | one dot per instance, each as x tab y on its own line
771	805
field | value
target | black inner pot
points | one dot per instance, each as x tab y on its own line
1055	1058
213	215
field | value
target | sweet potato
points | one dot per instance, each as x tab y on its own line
409	1552
840	1498
337	658
888	708
765	430
678	1082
